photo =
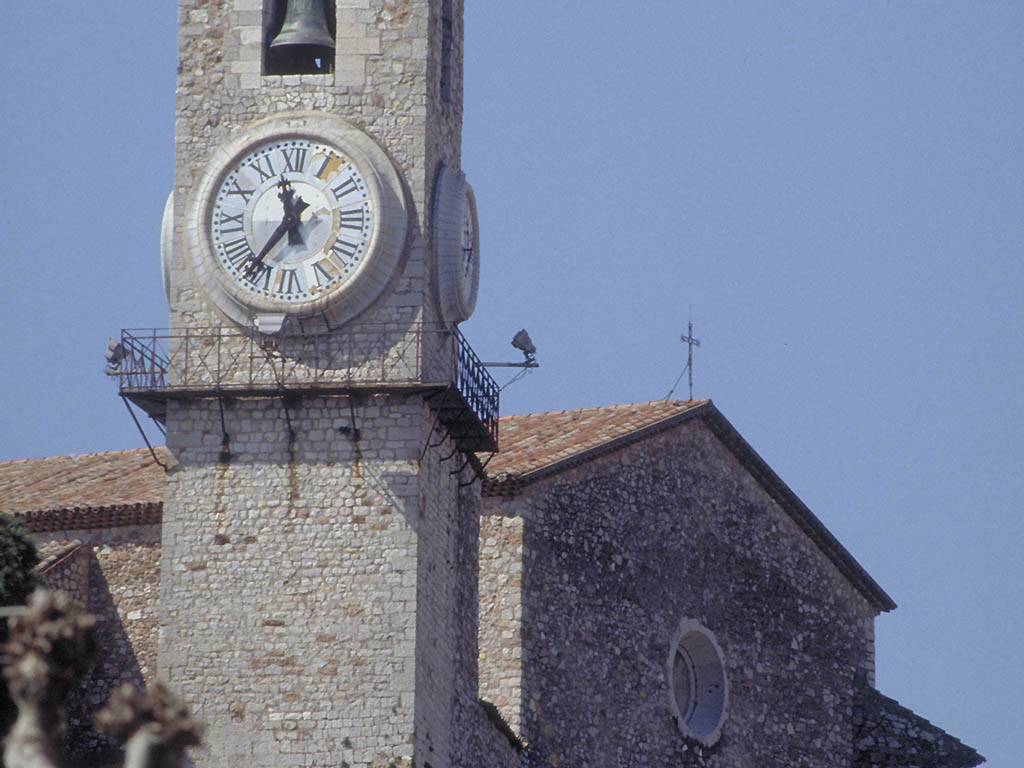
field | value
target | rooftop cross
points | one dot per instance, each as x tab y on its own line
690	342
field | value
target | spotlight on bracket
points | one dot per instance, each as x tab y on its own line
115	354
524	344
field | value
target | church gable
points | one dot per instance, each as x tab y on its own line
539	446
618	550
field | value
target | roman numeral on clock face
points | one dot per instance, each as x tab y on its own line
234	221
294	158
330	164
324	271
236	189
344	250
352	218
238	250
288	281
258	165
346	187
258	275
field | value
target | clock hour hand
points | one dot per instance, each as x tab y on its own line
286	224
294	235
293	205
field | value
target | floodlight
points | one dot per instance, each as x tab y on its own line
524	344
115	354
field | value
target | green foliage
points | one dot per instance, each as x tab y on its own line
18	578
18	559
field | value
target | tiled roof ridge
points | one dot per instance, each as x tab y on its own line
66	456
612	407
511	483
88	517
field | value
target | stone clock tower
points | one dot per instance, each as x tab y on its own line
317	597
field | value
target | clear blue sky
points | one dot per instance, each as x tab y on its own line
835	188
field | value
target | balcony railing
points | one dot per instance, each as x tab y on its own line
162	364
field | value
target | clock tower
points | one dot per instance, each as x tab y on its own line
317	584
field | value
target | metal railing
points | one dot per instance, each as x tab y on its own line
477	387
160	363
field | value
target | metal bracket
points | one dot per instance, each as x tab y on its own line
479	472
286	398
142	432
427	444
225	438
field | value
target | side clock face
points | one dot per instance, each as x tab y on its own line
457	244
292	220
299	215
469	240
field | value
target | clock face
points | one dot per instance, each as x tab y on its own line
292	221
457	243
468	249
301	215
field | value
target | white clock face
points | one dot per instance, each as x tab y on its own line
292	221
299	216
457	244
468	250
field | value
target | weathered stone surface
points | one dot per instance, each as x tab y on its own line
886	734
614	553
115	574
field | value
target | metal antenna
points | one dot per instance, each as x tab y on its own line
690	342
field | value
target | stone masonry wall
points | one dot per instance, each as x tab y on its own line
476	739
115	573
500	636
69	571
444	585
288	589
310	588
616	552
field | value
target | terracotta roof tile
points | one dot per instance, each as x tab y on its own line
533	441
88	480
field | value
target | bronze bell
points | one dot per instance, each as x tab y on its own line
304	24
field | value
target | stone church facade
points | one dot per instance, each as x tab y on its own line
600	532
329	561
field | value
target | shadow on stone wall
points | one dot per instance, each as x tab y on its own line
116	665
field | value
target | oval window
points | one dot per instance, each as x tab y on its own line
698	689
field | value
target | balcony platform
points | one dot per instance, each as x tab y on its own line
161	365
